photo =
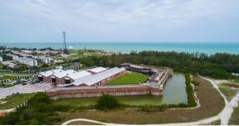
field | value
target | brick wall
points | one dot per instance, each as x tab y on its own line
78	92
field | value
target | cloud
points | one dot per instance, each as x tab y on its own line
118	16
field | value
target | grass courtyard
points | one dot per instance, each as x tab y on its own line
129	78
14	100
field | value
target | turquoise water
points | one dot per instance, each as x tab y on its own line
209	48
175	90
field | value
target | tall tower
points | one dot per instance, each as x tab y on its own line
64	40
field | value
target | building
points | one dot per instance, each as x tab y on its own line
140	69
8	64
27	61
24	60
45	60
59	77
96	70
90	77
1	59
99	78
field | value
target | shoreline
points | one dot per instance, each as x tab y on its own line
192	48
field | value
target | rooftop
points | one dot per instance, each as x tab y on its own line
97	69
94	78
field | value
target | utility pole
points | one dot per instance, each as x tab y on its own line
64	40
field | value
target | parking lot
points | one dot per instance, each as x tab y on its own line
29	88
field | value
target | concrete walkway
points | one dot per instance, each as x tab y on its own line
228	110
220	116
85	120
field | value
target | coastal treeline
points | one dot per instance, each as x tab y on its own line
217	66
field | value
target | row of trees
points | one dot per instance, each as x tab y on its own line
217	66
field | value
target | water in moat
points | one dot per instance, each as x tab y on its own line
174	93
175	90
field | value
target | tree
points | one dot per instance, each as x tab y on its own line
107	102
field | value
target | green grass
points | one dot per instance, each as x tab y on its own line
126	100
205	93
235	117
129	78
230	93
15	100
236	80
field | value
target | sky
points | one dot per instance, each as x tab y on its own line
119	20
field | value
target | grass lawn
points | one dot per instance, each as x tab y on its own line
126	100
205	93
236	80
15	100
129	78
235	117
229	92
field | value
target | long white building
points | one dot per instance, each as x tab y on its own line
59	77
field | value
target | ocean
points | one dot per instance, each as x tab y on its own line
207	48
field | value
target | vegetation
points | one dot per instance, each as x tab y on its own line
216	66
38	110
235	117
14	100
129	78
228	91
107	102
146	115
41	110
143	100
189	90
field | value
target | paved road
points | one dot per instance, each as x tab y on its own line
29	88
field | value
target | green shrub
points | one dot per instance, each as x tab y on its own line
189	90
107	102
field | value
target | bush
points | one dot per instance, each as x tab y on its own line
107	102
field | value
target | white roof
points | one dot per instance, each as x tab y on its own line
59	73
95	78
97	69
76	75
63	73
50	72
